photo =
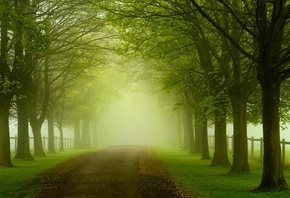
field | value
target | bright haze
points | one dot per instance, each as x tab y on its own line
136	119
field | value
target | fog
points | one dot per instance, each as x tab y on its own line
138	118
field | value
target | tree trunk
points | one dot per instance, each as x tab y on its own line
198	131
236	84
216	85
179	129
188	129
61	146
22	69
77	134
204	139
23	148
86	136
6	91
36	130
50	123
5	155
38	110
95	142
270	74
273	176
240	156
220	157
185	130
59	118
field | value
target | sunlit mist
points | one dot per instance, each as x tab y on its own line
136	119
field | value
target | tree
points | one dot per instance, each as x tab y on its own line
70	39
269	31
50	124
23	67
237	73
38	107
6	86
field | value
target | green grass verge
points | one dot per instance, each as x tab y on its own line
16	182
196	177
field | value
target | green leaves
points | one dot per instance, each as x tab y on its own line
7	86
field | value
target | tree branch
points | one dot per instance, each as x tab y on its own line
284	74
233	13
223	32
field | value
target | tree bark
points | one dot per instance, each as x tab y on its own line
273	176
204	139
36	119
240	156
6	91
22	71
59	118
36	130
77	133
270	75
86	134
50	123
198	131
220	157
61	146
179	129
184	129
95	142
23	148
188	129
5	155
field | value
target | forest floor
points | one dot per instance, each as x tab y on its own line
119	172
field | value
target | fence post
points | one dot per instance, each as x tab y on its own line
283	151
261	148
252	147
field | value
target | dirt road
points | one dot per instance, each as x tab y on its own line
117	172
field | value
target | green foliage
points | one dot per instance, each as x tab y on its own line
7	86
254	107
285	104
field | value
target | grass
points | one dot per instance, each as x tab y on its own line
196	177
16	182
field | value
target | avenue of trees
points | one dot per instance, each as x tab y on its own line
220	60
214	61
52	58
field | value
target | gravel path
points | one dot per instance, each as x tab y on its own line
116	172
